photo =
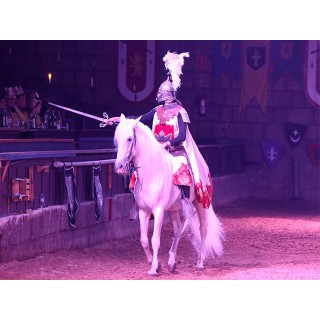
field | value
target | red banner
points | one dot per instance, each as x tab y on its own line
136	69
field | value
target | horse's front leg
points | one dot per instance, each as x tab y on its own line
144	218
155	241
177	232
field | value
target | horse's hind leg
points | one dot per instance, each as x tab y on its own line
177	232
203	235
144	227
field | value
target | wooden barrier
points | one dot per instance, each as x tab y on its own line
48	180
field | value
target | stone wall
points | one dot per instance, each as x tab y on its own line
25	236
47	230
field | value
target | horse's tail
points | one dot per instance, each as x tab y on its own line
215	232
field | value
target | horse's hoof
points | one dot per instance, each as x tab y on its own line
172	267
153	273
199	266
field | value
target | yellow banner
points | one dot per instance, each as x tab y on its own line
256	60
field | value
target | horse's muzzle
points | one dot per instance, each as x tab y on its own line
120	168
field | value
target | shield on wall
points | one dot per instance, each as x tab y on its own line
271	151
256	57
136	69
314	153
295	133
312	72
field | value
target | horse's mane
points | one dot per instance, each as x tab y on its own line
147	133
143	133
147	145
146	130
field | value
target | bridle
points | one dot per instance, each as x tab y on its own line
129	157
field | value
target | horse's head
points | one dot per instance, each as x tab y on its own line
125	142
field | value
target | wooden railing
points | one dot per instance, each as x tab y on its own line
45	171
46	179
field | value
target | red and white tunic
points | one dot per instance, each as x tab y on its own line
165	127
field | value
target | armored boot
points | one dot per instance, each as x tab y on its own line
188	209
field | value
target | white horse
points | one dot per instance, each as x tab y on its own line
155	194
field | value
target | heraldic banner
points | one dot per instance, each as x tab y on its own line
96	192
226	58
136	69
256	60
70	186
287	58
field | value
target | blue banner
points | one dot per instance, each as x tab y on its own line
226	58
287	58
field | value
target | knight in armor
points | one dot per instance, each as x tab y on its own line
170	127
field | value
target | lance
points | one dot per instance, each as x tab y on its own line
103	120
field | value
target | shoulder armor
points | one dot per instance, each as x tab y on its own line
184	115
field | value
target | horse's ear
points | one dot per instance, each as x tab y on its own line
122	117
136	121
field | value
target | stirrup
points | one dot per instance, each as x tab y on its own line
188	209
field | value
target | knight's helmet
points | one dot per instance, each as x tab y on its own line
173	62
166	92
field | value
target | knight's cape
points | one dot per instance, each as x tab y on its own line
201	172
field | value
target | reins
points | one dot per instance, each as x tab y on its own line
130	167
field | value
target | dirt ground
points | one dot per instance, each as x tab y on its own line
264	240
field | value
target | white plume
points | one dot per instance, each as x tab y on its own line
174	62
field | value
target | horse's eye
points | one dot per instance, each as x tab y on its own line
130	139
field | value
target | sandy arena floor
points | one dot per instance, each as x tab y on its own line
264	240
